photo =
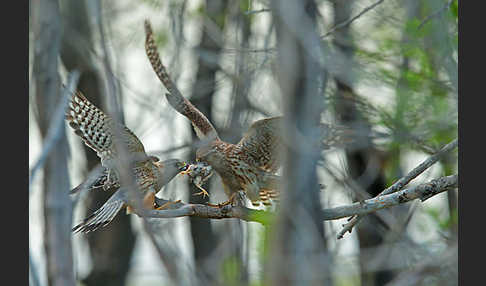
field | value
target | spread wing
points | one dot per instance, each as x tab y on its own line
262	143
96	129
203	127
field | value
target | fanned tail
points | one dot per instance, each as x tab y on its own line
102	216
269	196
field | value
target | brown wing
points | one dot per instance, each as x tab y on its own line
203	127
262	143
96	129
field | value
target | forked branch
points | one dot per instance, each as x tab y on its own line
421	191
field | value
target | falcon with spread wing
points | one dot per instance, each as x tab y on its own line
248	166
97	131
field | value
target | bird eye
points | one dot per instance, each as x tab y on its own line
183	166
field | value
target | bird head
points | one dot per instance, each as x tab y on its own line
209	153
169	169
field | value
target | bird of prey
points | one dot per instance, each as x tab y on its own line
248	166
98	179
97	130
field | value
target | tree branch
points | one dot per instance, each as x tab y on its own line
435	14
423	192
404	181
180	209
349	21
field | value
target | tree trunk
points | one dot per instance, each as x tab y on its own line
363	155
111	247
297	244
56	202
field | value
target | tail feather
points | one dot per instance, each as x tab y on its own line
269	184
154	58
270	181
203	127
269	196
102	216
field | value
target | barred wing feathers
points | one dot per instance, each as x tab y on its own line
96	129
262	143
203	127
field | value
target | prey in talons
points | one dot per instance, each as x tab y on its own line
199	173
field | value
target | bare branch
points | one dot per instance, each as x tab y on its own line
404	181
57	123
423	192
349	21
179	209
257	11
420	168
435	14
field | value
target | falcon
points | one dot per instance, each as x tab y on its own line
97	130
249	166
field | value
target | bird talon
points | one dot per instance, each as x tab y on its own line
223	204
204	193
186	172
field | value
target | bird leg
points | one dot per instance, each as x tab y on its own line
110	181
186	172
198	174
203	191
231	201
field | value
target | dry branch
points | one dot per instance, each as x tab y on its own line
179	209
404	181
422	192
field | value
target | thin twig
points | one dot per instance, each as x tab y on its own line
435	14
57	123
257	11
420	168
404	181
349	21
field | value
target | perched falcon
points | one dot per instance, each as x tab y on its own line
248	166
97	131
